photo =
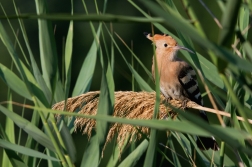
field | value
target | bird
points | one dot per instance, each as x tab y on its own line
178	79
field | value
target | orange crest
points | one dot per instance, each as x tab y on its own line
162	40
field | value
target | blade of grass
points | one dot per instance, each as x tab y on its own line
116	155
29	128
228	22
23	150
14	82
174	154
9	130
68	141
236	102
211	13
13	158
47	47
91	153
30	142
84	81
105	107
36	72
64	131
185	145
112	49
245	159
240	92
222	153
84	17
132	64
198	156
164	156
221	5
132	159
52	163
244	20
150	155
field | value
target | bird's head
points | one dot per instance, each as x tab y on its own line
165	43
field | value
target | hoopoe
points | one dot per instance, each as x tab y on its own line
178	79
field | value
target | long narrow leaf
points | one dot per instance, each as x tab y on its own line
29	128
133	158
15	159
150	155
36	72
9	130
14	82
83	81
47	46
24	150
229	19
68	58
116	155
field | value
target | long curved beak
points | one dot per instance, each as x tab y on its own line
183	48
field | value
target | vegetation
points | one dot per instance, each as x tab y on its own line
223	62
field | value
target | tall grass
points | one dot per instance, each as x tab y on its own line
224	64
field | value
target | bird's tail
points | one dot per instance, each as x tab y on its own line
204	143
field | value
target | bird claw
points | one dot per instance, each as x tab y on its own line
184	104
168	99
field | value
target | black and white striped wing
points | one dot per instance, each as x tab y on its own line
188	80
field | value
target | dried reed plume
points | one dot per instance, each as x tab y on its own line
131	105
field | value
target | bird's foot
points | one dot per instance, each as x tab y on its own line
167	100
184	104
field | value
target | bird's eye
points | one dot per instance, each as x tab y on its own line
165	45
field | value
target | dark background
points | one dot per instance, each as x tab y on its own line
129	32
